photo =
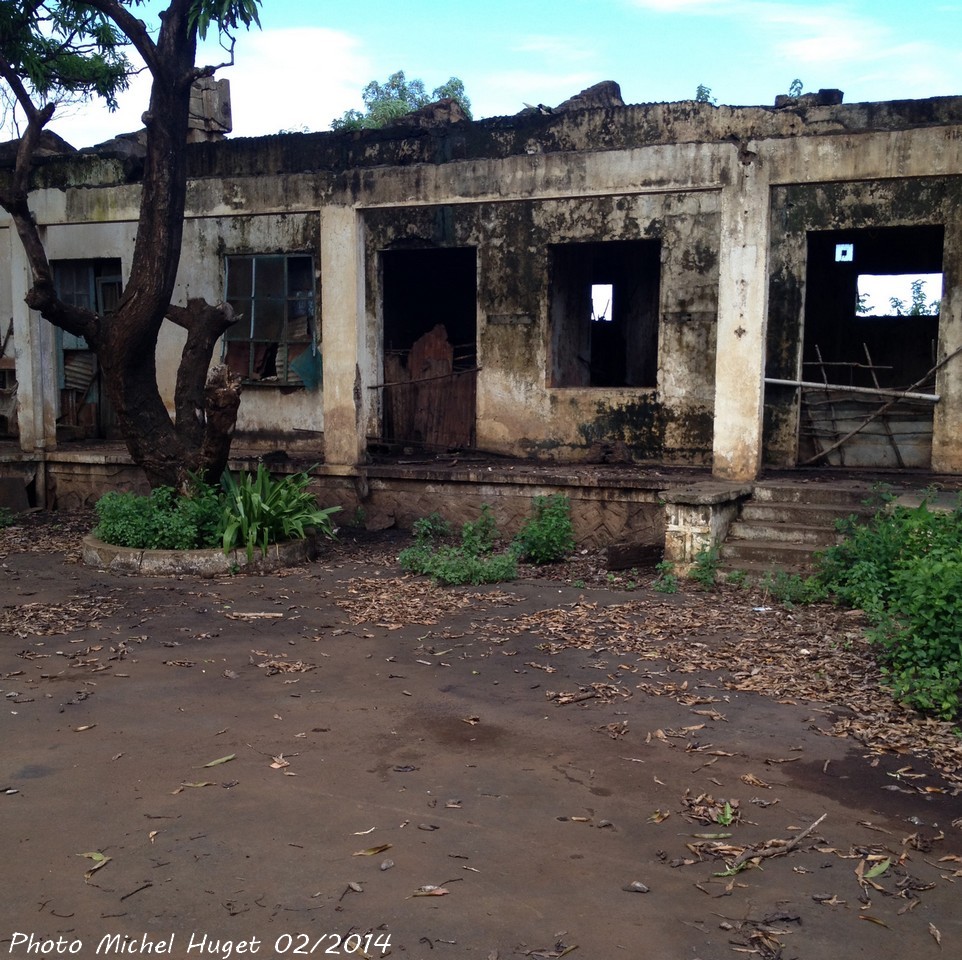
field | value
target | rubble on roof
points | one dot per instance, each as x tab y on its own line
49	145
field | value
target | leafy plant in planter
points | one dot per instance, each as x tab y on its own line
259	510
249	513
163	520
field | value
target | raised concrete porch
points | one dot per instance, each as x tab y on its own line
777	522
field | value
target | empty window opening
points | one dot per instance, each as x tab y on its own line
430	346
899	295
604	313
871	323
601	294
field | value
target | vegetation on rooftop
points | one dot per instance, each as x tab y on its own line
396	97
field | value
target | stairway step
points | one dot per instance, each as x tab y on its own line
850	494
779	554
806	514
759	570
754	530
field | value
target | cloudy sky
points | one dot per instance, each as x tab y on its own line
310	60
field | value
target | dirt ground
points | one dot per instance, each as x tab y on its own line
339	760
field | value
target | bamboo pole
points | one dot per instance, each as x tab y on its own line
885	407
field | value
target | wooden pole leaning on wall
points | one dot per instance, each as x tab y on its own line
885	424
883	409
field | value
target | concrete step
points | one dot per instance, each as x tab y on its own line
850	494
759	570
754	530
734	554
805	514
784	524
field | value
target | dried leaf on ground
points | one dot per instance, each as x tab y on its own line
220	760
403	600
100	860
817	653
372	851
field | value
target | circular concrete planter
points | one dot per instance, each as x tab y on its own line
195	563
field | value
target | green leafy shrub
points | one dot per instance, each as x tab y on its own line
704	571
547	535
431	527
472	561
904	569
162	520
259	510
480	536
667	579
455	565
792	589
6	517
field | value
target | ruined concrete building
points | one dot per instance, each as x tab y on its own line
671	285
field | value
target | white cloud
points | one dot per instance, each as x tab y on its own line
557	49
288	79
517	87
282	79
843	40
817	35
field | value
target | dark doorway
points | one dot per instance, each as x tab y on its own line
859	338
604	313
430	346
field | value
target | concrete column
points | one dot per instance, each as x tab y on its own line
35	350
342	325
742	311
947	416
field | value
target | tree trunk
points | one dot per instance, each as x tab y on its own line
126	342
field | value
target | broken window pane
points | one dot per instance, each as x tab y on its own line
274	341
83	411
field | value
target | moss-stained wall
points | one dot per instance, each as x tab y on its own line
668	177
266	411
519	412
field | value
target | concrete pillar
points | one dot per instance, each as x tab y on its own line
742	311
697	518
947	415
342	325
35	343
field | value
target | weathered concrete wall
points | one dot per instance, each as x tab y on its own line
349	361
601	513
519	411
742	312
87	223
695	178
266	410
